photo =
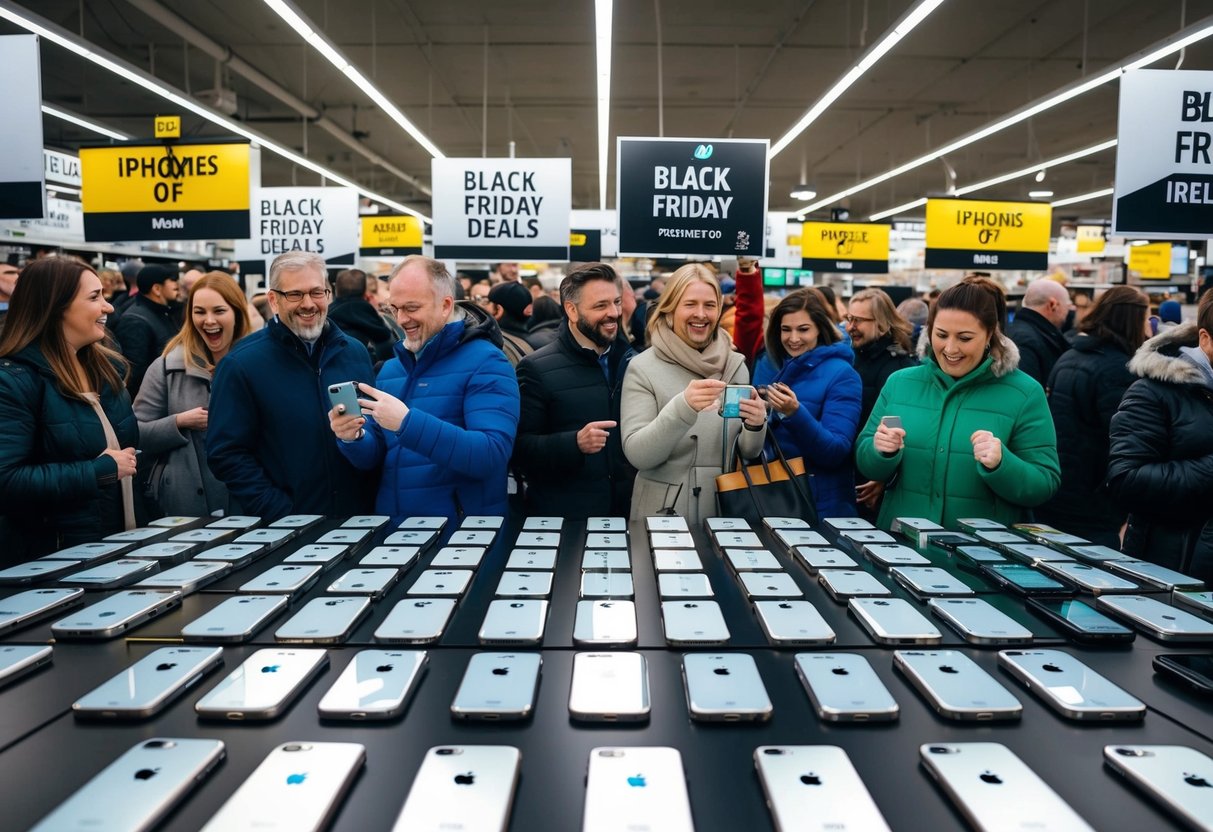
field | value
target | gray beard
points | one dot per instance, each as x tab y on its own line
307	333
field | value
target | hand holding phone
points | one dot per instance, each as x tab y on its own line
783	398
734	395
703	393
386	409
890	436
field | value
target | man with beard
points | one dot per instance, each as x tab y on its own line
268	439
568	445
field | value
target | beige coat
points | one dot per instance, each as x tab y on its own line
676	451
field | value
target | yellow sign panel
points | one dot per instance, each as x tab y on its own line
576	239
184	177
1153	261
391	235
856	247
1090	239
167	127
969	233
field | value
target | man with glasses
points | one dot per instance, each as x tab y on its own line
268	438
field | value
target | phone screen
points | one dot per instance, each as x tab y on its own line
733	394
891	422
1077	613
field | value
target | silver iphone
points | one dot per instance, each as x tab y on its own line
724	687
606	560
857	539
609	687
1088	578
773	523
843	687
791	538
972	525
373	582
1178	778
538	540
271	538
150	684
401	557
886	555
542	524
684	585
1034	553
324	620
737	540
462	787
376	684
433	523
793	623
138	789
441	582
606	524
18	660
177	522
264	685
1070	687
498	686
325	556
514	621
813	558
544	559
117	614
893	621
995	790
603	623
458	557
979	622
286	578
297	521
115	573
676	560
346	536
32	605
1157	619
769	585
421	538
204	537
524	585
930	582
666	523
366	521
671	540
239	555
36	570
235	619
89	552
482	521
606	585
140	535
843	584
841	524
693	623
636	789
606	540
1097	554
751	560
462	537
297	788
415	621
166	552
726	524
243	522
815	788
189	577
1159	577
1191	600
956	686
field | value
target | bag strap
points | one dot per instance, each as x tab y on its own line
111	440
808	498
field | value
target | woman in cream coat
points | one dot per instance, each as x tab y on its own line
672	429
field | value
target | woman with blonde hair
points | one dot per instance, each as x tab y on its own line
67	450
173	399
672	430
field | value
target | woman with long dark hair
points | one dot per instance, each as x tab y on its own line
172	403
67	451
1085	389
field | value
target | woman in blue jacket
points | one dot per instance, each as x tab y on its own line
815	397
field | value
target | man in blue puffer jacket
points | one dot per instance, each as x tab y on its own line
442	417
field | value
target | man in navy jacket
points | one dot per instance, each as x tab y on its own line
442	415
268	438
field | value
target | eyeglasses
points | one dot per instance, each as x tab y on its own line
296	296
481	300
855	319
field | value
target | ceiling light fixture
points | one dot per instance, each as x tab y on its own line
61	37
1040	194
803	192
80	121
904	25
1169	46
602	36
295	19
1040	175
1070	200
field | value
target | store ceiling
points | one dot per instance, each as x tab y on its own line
742	69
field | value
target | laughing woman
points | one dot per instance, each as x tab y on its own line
173	400
67	448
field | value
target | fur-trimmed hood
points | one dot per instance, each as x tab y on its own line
1160	359
1000	367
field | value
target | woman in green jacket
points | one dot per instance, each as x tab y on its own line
977	438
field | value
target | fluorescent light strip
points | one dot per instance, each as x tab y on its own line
602	36
60	37
1070	200
1195	33
899	30
85	123
909	206
333	55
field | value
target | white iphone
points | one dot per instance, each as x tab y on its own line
462	787
376	684
263	686
609	687
815	788
636	789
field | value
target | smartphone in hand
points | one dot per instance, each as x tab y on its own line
733	394
891	422
345	393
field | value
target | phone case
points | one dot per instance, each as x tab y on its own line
676	560
603	623
893	621
606	585
149	685
345	395
752	560
514	621
524	559
116	614
724	688
498	686
374	583
298	787
843	584
189	577
815	788
152	777
995	790
843	687
1177	778
462	788
376	684
236	619
1069	687
285	579
25	608
979	622
324	620
955	686
18	660
793	623
636	789
606	560
769	585
264	685
1154	618
524	585
458	557
609	687
693	623
401	557
814	558
415	621
930	582
684	585
441	582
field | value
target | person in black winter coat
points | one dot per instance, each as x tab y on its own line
61	470
545	320
1161	463
1036	329
148	322
1085	389
568	444
357	318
